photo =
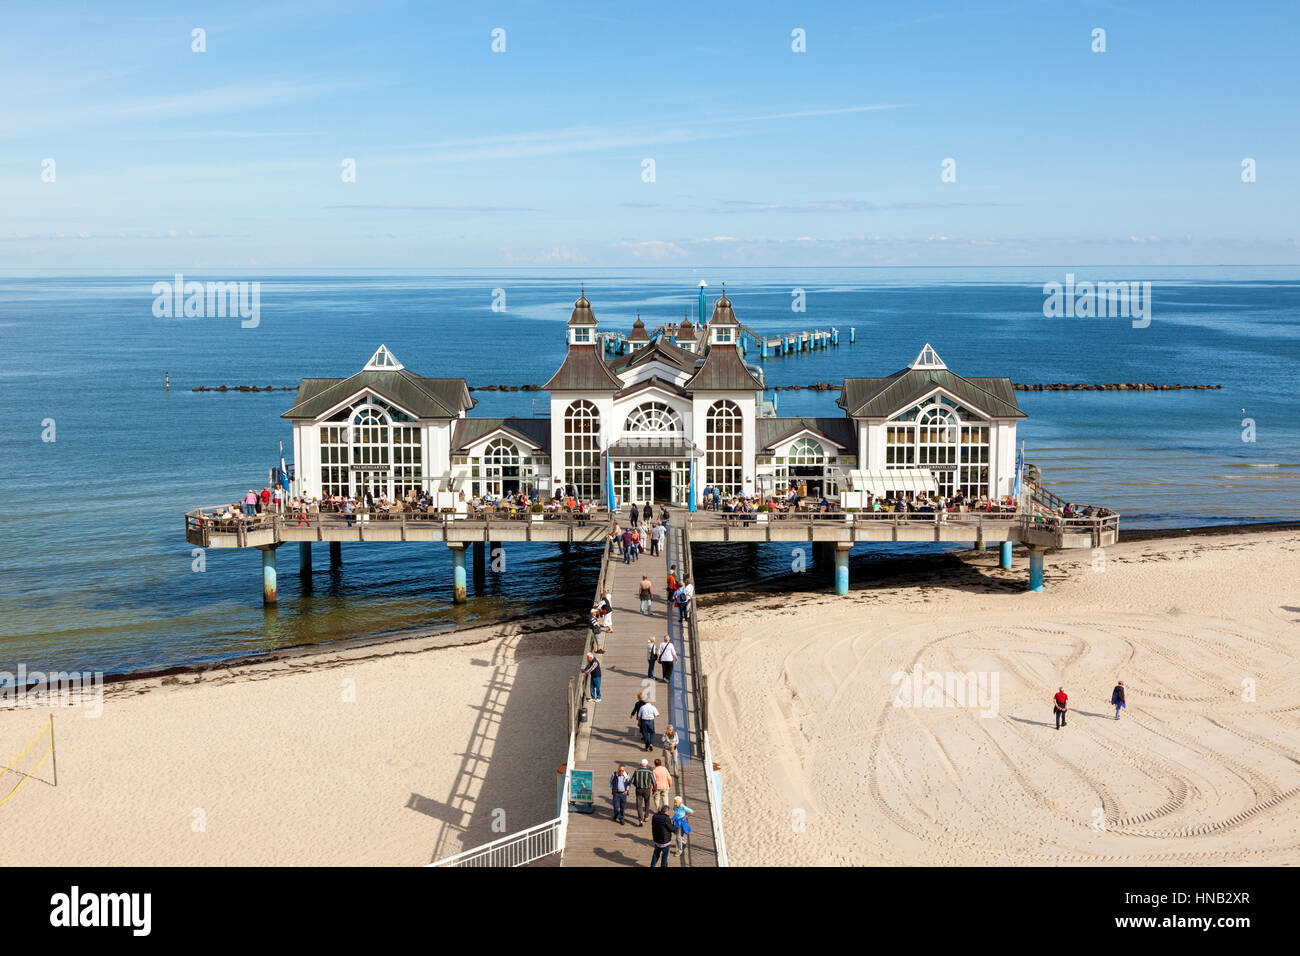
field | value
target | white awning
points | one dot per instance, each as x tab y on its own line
888	481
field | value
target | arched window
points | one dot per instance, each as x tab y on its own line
501	467
582	449
723	447
653	417
375	449
806	452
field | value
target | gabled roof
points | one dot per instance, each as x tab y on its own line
661	350
654	382
770	432
639	333
533	431
882	397
584	370
724	369
422	397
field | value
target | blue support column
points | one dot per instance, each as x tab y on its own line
304	557
458	591
842	568
1036	570
853	334
1005	562
268	576
763	351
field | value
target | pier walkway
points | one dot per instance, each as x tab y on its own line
610	736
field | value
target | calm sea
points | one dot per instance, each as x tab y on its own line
97	573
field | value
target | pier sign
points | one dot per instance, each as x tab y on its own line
653	465
582	796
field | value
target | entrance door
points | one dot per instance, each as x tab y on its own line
644	486
376	481
663	485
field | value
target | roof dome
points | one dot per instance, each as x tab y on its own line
639	333
582	314
722	313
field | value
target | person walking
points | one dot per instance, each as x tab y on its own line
684	595
648	714
615	541
636	712
651	655
661	834
1117	698
607	612
618	787
672	585
634	515
670	741
643	786
1059	704
663	515
663	785
627	546
667	654
592	669
680	812
647	513
647	594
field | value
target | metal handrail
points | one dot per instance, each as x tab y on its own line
517	849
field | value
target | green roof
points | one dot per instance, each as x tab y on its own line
882	397
769	432
423	397
470	430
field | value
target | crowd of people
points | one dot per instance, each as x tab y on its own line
651	785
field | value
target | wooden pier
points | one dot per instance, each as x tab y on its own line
610	735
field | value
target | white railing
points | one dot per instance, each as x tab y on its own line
526	846
518	849
715	804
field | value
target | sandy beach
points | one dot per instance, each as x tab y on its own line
393	754
821	767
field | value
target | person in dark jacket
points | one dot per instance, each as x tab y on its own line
661	834
634	514
619	783
647	512
1117	698
643	783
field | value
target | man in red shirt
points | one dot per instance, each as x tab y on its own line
1059	706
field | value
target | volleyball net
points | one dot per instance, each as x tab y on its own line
47	735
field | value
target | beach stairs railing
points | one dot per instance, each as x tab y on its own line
543	839
517	849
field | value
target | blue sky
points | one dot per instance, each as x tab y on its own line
169	159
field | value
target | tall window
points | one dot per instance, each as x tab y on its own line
723	448
500	464
582	448
376	448
653	417
948	440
